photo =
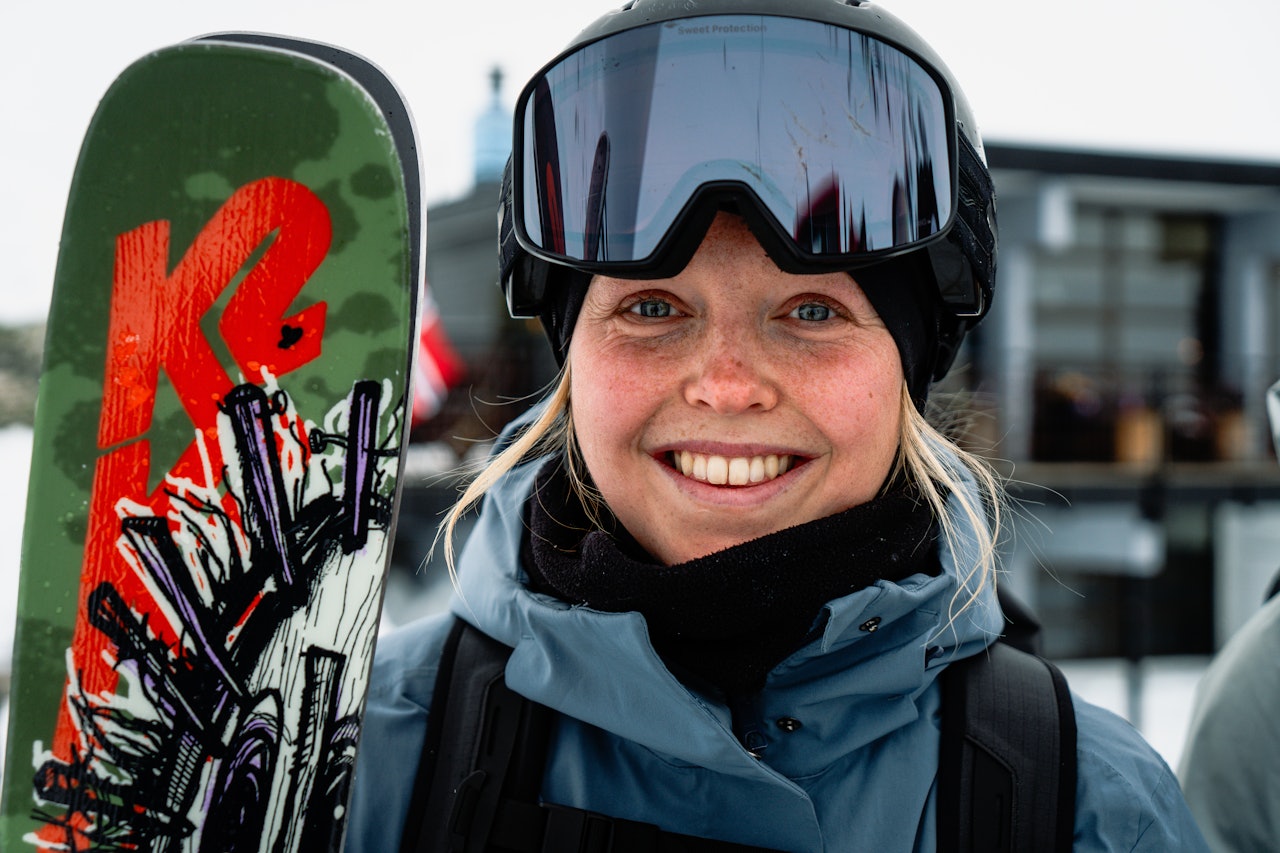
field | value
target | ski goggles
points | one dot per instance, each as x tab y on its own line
841	146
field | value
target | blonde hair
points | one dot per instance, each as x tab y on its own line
942	470
936	465
550	432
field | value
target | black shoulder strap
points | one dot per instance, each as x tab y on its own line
481	769
483	742
1007	771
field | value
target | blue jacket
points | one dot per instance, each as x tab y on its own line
634	742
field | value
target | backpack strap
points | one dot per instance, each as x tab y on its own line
1007	769
483	742
477	787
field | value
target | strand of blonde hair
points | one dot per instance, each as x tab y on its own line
941	477
550	431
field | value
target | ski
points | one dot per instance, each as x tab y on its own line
218	445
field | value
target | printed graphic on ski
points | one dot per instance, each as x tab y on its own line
217	455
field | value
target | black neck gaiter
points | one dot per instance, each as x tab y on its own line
729	618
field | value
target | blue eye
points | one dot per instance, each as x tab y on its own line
814	312
652	308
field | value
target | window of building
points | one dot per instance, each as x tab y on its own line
1124	341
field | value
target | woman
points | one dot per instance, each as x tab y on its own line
728	551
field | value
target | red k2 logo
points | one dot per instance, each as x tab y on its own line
154	324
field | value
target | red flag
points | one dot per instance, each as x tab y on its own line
438	366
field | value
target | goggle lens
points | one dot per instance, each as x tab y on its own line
845	141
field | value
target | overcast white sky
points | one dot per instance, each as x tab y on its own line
1162	75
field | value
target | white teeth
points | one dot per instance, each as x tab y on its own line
772	465
730	470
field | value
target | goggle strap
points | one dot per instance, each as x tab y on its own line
974	228
516	271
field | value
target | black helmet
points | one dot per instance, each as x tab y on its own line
829	125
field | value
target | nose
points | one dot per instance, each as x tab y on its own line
730	377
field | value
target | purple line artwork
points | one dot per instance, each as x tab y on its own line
241	734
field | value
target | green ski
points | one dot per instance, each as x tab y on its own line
217	455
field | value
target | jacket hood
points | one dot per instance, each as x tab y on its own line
875	653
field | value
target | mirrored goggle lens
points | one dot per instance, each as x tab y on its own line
843	139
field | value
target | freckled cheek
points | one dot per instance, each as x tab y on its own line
611	401
857	412
859	408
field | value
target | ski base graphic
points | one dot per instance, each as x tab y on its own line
217	455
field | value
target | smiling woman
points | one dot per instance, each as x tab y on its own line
722	367
728	552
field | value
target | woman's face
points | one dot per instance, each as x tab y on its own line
733	400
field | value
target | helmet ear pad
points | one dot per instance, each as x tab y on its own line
566	289
903	292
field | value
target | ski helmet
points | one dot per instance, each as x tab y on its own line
831	127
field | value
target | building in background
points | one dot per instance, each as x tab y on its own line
1123	370
1137	318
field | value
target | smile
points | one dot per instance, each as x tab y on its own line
730	470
